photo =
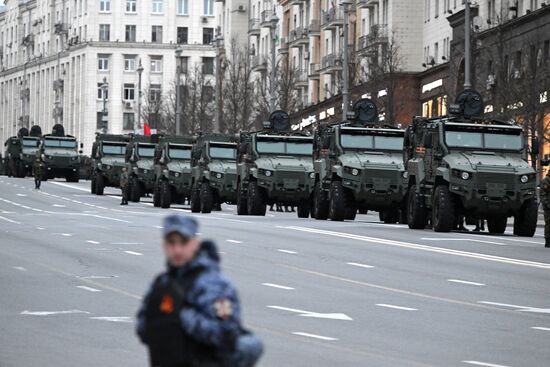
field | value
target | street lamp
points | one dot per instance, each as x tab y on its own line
274	20
218	43
179	51
139	71
467	47
104	117
345	70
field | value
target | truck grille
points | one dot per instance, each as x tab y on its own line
484	178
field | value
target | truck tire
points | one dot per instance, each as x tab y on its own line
338	204
207	198
402	216
256	202
497	225
351	213
21	170
156	195
99	184
93	185
242	204
134	191
320	203
304	208
417	216
525	222
443	210
195	199
165	195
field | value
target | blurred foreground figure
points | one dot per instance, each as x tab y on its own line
191	315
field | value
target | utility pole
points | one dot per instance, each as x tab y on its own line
467	48
345	69
139	71
218	43
273	98
178	90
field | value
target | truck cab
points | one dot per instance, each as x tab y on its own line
108	159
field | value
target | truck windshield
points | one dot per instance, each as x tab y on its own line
146	152
109	149
285	146
179	152
27	142
485	140
58	143
371	142
223	152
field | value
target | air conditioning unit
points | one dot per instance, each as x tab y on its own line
204	19
241	9
129	104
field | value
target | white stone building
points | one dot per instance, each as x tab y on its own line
93	40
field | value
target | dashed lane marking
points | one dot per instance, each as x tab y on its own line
234	241
541	328
70	186
361	265
40	228
59	206
49	313
396	307
287	251
314	336
9	220
478	363
20	205
465	282
19	268
98	277
278	286
126	243
21	194
518	308
463	240
93	242
134	253
124	319
89	289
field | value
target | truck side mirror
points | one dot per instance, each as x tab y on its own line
535	146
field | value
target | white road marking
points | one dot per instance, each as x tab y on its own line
71	186
19	268
517	307
464	240
234	241
65	234
21	194
158	227
502	238
126	243
278	286
89	289
287	251
477	363
134	253
396	307
93	242
20	205
114	319
333	316
99	277
308	335
414	246
361	265
9	220
58	206
40	228
48	313
465	282
541	328
6	212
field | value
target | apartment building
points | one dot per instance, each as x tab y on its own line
233	18
60	58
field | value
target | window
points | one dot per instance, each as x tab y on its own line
436	52
129	63
131	6
156	64
105	32
207	36
105	5
103	62
436	8
102	92
130	33
156	34
157	6
184	62
208	65
155	92
182	7
99	120
128	121
208	7
183	35
129	92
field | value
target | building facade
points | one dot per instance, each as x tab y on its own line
60	58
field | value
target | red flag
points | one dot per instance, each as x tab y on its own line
146	129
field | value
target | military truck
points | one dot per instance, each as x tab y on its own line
172	170
274	167
468	166
108	154
140	162
21	151
359	166
214	172
59	152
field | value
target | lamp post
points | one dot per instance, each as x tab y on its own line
218	43
104	117
345	69
178	90
273	99
139	71
467	47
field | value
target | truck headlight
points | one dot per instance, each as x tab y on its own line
108	166
465	175
176	174
146	171
524	179
268	173
74	158
405	174
355	172
312	175
219	175
461	174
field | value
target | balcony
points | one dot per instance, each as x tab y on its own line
367	4
254	27
314	28
259	64
301	79
265	18
331	64
332	19
283	46
314	70
298	37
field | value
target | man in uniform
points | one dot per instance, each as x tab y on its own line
545	199
124	180
38	171
191	315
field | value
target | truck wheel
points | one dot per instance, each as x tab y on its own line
156	195
256	202
402	216
304	208
93	186
207	198
99	184
195	199
417	216
497	225
320	203
338	206
135	191
525	222
443	210
165	195
242	204
351	213
390	216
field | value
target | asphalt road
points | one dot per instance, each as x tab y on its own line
73	268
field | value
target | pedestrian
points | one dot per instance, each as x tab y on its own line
545	199
124	181
191	315
38	171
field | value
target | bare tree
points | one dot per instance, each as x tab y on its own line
152	109
198	98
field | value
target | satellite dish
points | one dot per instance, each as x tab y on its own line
365	111
470	102
280	121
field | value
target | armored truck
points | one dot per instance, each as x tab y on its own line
59	152
214	172
274	167
108	159
21	151
359	166
140	155
172	170
467	166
